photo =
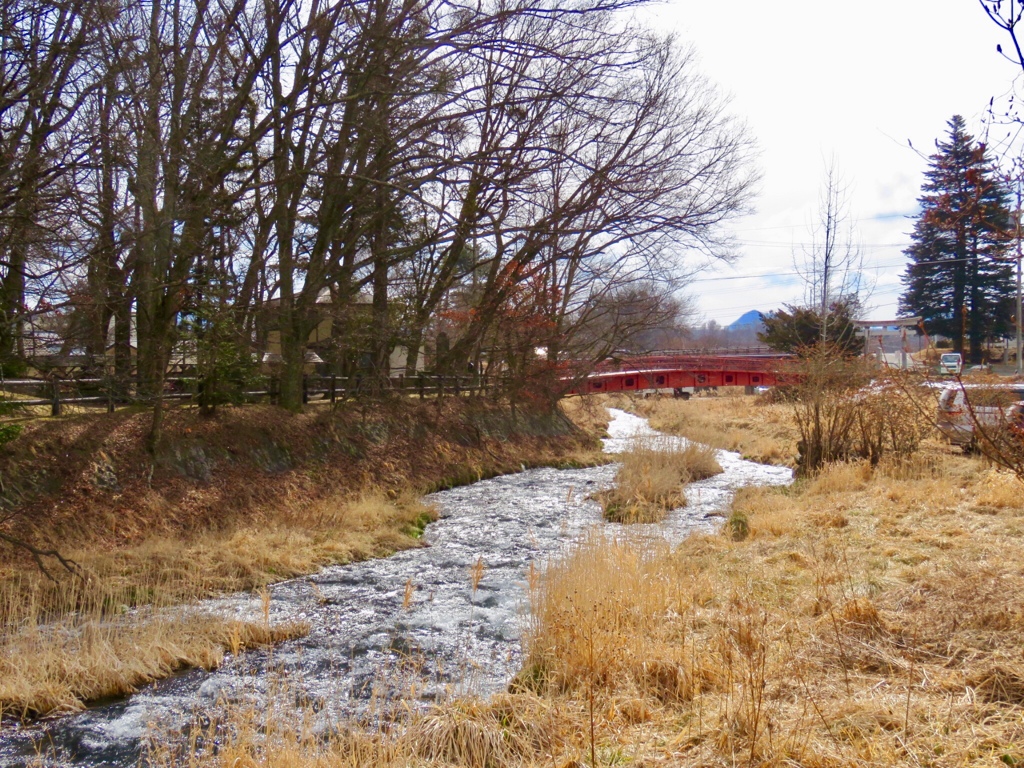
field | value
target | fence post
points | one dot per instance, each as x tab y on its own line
110	395
273	390
305	389
456	386
334	387
55	403
421	385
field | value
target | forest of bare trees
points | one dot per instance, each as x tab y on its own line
467	182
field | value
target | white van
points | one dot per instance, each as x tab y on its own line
951	363
962	407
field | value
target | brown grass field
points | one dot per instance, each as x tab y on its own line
765	434
862	617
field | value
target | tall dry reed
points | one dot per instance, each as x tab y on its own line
651	478
130	618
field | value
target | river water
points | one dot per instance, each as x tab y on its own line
416	627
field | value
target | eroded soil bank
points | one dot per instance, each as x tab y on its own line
87	482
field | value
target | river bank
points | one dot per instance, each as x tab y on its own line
249	497
389	637
862	617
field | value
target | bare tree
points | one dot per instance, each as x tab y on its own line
831	265
44	78
514	158
639	163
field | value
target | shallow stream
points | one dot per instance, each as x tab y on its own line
422	624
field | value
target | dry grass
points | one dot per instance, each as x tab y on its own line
78	639
246	555
852	626
868	617
56	660
587	413
746	424
650	480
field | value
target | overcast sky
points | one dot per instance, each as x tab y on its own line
850	80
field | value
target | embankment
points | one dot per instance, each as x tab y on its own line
88	482
235	501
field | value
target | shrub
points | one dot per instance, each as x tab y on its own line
825	409
842	416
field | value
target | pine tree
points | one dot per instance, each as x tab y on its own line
799	329
960	277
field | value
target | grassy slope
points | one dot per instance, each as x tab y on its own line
233	502
87	485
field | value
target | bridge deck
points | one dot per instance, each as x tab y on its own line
676	371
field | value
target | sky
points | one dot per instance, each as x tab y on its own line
853	81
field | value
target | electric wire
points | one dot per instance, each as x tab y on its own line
937	262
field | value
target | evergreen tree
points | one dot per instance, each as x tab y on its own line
959	278
798	329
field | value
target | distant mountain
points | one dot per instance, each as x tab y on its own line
746	320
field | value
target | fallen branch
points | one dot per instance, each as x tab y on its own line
38	554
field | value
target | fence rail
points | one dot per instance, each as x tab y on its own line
109	393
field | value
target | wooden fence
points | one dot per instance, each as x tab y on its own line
109	394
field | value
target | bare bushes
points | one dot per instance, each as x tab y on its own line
892	420
825	409
842	416
650	481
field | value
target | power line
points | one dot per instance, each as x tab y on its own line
776	244
798	272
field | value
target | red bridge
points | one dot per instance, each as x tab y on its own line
681	370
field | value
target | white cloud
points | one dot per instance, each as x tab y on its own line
855	80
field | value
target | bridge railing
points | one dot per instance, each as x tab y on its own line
684	362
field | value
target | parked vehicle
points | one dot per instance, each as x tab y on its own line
963	408
951	363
